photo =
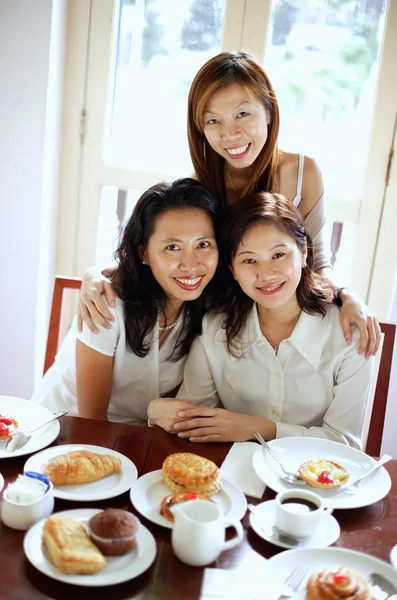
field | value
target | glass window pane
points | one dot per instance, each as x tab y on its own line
160	46
322	60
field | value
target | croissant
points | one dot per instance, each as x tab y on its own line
339	583
81	466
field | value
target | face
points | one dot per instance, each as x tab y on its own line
268	266
235	125
182	253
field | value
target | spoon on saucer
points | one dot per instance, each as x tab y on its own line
21	438
287	476
275	534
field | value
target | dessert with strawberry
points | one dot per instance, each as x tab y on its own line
8	426
325	474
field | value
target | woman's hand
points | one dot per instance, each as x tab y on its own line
355	312
164	412
91	305
202	424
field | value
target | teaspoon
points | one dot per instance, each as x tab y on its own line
21	438
288	476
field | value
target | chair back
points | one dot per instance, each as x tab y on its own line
61	283
376	409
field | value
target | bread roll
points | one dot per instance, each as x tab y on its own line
187	472
81	466
339	583
70	548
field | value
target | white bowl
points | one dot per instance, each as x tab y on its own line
22	516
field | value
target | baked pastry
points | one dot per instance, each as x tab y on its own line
81	466
169	501
8	426
70	548
325	474
187	472
339	583
114	531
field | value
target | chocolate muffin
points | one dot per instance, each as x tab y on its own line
114	531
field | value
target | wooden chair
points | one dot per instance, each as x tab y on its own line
61	283
377	416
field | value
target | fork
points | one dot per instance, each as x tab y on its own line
353	487
293	582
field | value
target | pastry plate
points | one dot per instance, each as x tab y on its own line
293	451
118	568
148	491
108	487
263	520
29	415
315	559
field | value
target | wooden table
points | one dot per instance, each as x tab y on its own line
372	529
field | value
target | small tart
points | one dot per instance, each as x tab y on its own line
322	473
10	426
338	583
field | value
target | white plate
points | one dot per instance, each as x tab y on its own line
263	520
148	491
108	487
314	559
29	415
118	568
293	451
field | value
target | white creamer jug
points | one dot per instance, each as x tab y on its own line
198	535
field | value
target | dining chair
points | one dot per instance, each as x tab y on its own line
61	283
375	419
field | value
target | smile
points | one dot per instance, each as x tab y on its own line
191	283
237	151
271	289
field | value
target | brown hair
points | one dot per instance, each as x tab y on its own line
314	292
222	70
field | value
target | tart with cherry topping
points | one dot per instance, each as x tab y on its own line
338	583
168	501
325	474
8	426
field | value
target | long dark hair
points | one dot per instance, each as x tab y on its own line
313	293
221	70
134	282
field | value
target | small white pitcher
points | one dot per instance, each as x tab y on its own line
198	535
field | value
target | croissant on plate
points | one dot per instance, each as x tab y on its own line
338	583
81	466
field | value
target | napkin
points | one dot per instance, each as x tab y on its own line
237	468
235	584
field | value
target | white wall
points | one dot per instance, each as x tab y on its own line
31	75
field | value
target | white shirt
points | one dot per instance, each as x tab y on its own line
316	385
136	381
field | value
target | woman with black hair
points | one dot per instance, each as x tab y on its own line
166	259
274	356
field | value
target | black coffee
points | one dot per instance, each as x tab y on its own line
299	505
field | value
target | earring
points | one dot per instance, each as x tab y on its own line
304	264
143	262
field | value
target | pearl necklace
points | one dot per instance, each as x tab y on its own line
170	326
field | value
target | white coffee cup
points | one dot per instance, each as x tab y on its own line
299	512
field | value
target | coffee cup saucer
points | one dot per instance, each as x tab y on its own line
263	523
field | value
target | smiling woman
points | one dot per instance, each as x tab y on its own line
166	259
277	327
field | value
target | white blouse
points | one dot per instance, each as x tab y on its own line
316	386
136	381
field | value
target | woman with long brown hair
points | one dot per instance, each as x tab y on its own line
233	126
273	354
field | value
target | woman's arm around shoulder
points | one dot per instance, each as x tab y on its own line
91	305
